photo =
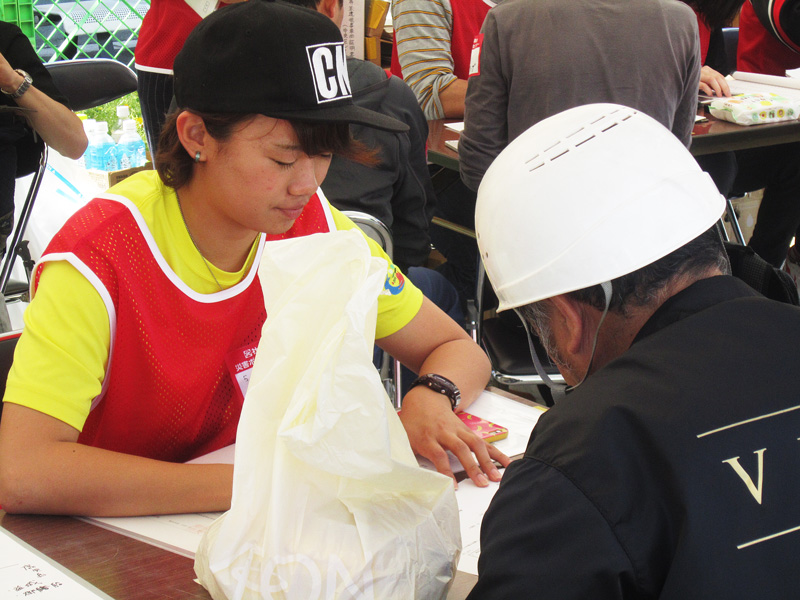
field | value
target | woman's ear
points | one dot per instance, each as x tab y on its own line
193	135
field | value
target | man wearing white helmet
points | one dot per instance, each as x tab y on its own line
670	468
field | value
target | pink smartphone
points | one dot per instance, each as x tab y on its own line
491	432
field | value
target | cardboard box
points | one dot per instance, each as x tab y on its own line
746	209
376	18
105	179
372	50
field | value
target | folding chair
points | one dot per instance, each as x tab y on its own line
377	231
721	57
506	344
85	83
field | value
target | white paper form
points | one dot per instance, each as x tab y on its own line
750	83
182	533
459	126
472	504
473	501
517	417
27	573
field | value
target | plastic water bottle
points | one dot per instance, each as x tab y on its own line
88	128
123	113
102	150
130	148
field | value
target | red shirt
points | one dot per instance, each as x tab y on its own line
164	30
468	17
759	51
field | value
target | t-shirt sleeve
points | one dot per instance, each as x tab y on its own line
60	360
423	32
17	49
400	299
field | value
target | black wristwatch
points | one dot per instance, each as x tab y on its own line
442	385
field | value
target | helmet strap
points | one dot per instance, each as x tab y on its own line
559	390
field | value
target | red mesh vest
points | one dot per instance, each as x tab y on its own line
468	17
167	393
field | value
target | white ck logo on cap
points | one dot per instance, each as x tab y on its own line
329	70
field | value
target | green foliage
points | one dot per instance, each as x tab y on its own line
108	113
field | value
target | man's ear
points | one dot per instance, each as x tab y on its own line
570	325
328	7
192	134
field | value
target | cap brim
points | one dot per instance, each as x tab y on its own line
356	115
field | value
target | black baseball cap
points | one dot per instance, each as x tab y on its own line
271	58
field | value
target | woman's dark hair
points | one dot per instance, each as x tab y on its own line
176	167
716	13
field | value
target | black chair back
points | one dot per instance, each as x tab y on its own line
85	83
91	82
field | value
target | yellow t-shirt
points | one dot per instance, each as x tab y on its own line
61	358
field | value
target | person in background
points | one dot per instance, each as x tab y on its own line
538	57
26	84
398	190
162	34
433	49
769	37
145	293
668	470
776	169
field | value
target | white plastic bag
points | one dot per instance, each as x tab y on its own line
328	499
755	108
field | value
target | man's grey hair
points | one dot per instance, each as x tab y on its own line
646	286
643	287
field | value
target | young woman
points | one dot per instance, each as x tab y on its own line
146	293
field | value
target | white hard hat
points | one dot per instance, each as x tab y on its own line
584	197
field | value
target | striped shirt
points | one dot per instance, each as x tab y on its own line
433	42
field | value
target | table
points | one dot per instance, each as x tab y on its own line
120	566
715	135
124	568
708	137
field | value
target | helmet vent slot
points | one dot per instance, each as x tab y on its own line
578	137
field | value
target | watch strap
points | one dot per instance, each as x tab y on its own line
440	384
23	87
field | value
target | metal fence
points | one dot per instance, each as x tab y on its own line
87	28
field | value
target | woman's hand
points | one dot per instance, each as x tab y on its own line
713	83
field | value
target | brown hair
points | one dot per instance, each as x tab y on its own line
176	167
